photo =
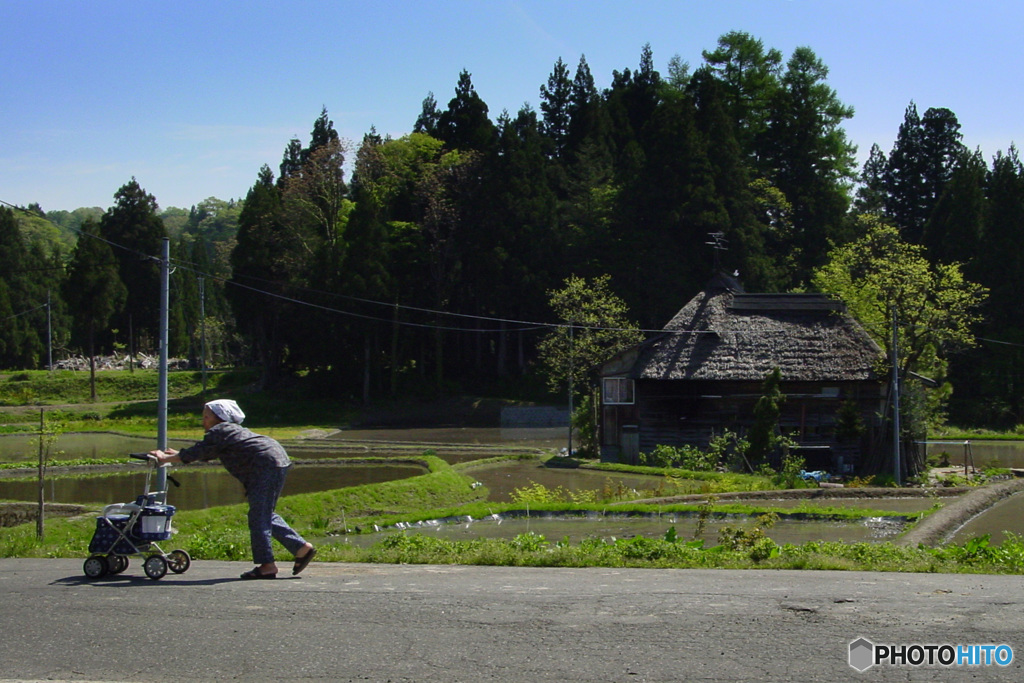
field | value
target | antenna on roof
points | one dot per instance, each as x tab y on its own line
718	244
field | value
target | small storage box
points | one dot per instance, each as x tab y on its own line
108	536
154	523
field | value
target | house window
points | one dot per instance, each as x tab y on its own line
618	391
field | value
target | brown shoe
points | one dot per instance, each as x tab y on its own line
302	562
255	573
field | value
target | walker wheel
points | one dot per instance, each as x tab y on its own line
116	564
155	567
95	566
178	561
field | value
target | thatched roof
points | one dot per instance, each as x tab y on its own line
726	334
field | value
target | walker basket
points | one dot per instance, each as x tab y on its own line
111	537
154	523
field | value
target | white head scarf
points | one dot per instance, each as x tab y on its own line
227	410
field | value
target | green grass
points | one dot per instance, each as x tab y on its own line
220	533
954	433
62	387
127	404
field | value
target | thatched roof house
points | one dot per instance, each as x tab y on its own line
703	374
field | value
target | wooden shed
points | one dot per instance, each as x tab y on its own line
705	371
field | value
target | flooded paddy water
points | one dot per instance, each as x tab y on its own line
201	487
210	486
609	526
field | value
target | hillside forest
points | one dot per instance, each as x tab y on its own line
426	264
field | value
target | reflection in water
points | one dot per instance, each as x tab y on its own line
1005	516
502	480
610	527
78	445
201	487
983	453
206	487
534	437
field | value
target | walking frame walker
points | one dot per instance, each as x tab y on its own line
133	529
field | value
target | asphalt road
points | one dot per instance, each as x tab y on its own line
356	622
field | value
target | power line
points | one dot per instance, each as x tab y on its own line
33	310
527	326
996	341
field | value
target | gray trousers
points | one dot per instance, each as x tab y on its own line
264	523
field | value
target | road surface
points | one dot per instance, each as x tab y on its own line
362	622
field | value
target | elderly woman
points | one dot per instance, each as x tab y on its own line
261	464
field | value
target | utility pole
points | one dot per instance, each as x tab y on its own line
718	244
161	415
49	334
572	359
41	476
895	401
202	331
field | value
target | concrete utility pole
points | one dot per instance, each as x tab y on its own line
895	401
49	333
572	360
161	414
202	331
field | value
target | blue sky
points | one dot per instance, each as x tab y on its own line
191	98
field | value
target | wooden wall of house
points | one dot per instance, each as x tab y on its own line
676	413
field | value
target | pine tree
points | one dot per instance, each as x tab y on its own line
464	125
750	75
667	209
751	231
555	105
133	226
942	150
989	381
260	262
21	303
920	165
426	122
588	115
94	292
871	192
954	230
811	158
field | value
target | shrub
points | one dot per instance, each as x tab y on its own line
683	457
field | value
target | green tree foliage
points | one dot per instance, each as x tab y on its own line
668	205
71	221
919	166
990	379
464	125
93	291
419	273
871	193
520	244
31	270
765	436
555	102
21	344
811	159
594	326
750	76
133	225
954	229
588	115
426	122
260	272
935	306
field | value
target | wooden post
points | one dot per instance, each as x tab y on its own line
42	466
